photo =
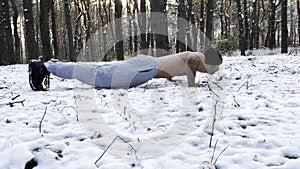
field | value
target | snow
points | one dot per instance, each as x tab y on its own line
166	123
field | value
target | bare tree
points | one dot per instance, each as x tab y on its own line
254	24
70	31
118	28
180	41
284	29
209	21
202	24
44	27
246	23
17	40
298	10
160	25
143	27
30	40
54	29
241	28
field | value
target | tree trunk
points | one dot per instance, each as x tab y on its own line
241	28
247	27
272	32
209	22
284	28
8	55
257	25
189	26
181	41
227	29
221	14
202	24
298	10
129	19
54	29
44	27
2	38
143	27
118	28
16	33
135	25
70	31
193	27
31	46
254	26
160	27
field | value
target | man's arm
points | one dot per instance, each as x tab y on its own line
191	67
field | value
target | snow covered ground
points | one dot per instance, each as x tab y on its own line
161	125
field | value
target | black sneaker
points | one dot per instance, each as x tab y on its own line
38	76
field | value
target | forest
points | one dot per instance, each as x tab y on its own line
103	30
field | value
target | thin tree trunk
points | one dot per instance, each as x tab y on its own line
189	26
143	27
129	19
160	27
247	27
54	29
257	25
272	33
221	14
31	46
209	22
118	28
254	26
16	33
241	28
44	26
135	25
298	10
284	29
70	31
181	35
202	24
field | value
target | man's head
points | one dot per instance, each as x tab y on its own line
212	60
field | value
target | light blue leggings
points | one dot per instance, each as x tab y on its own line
124	74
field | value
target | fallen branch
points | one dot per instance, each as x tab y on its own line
220	155
213	125
122	139
11	104
40	125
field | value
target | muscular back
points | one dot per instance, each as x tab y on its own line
184	63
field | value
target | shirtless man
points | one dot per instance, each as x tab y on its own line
129	73
187	63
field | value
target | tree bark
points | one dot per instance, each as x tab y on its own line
254	26
44	27
129	19
143	27
284	29
54	29
272	33
160	27
118	28
8	55
257	29
70	31
209	22
181	41
241	28
247	27
202	24
31	46
298	10
16	33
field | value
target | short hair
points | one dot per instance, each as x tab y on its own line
212	57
